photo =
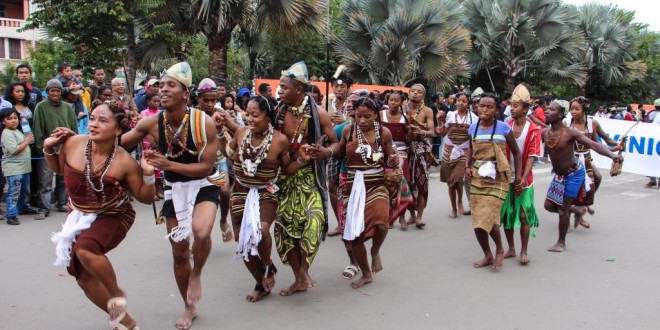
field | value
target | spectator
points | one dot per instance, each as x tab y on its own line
99	81
628	116
601	112
64	75
125	101
242	98
48	115
222	89
4	103
16	165
505	107
153	85
316	94
33	94
85	96
105	93
266	91
451	98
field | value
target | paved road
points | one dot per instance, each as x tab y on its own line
608	278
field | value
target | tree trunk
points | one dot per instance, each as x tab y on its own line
509	83
218	44
131	65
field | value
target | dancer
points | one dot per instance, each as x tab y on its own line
368	150
207	95
258	152
567	185
97	175
452	168
518	210
488	167
420	118
394	120
187	147
579	109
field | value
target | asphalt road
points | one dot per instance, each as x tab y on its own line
609	278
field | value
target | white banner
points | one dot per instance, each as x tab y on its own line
642	154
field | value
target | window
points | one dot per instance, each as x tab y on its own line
2	48
15	52
2	10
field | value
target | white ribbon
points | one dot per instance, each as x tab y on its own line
183	196
457	150
76	222
355	210
250	235
587	179
366	148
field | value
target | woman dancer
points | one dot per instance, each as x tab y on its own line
579	109
258	152
97	175
452	170
368	150
394	120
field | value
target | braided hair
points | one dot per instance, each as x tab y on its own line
492	134
268	105
586	105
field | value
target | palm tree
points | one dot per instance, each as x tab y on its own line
609	48
216	19
396	42
519	35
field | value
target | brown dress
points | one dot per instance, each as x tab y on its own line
377	208
115	214
268	201
452	171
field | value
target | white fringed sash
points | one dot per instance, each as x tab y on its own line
587	179
250	235
357	201
183	196
457	150
76	222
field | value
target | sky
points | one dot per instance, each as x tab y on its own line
646	11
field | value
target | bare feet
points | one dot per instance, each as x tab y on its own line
578	216
376	263
591	211
194	289
402	222
487	261
524	259
585	224
499	258
295	287
227	234
186	319
364	279
335	232
461	209
453	214
257	295
559	247
510	253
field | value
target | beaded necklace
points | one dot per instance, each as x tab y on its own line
255	154
413	114
365	149
551	145
339	111
88	160
301	128
180	137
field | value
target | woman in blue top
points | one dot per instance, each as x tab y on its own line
488	166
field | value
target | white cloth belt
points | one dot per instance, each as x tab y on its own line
356	202
587	179
76	222
457	150
488	169
183	196
250	236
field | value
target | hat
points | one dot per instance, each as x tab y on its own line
206	85
53	83
477	92
153	82
298	71
521	94
181	72
656	103
341	76
243	91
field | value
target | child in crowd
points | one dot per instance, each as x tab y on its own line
16	165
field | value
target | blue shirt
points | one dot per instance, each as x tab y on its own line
501	131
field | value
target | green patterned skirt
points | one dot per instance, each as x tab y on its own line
510	214
300	218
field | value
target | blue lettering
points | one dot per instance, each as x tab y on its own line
657	148
637	145
649	149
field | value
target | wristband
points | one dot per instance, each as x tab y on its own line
300	162
149	179
49	154
332	153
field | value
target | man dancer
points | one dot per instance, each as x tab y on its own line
191	201
420	118
301	220
518	210
568	182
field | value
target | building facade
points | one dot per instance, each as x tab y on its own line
14	44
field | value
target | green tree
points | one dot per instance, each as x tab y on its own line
609	48
514	36
397	42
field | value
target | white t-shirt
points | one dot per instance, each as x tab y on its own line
454	118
